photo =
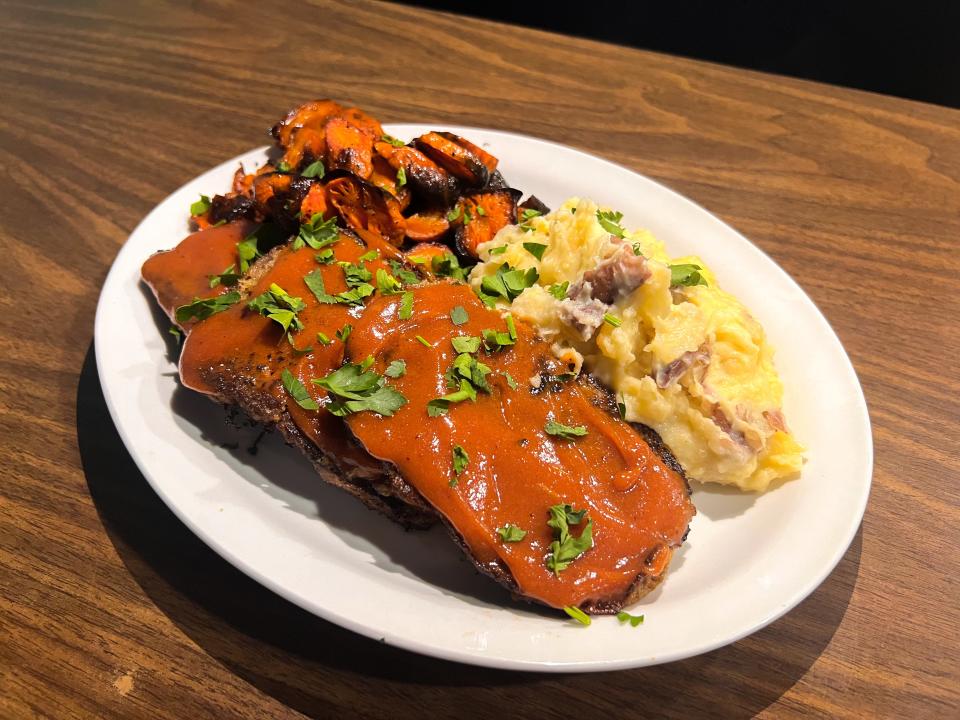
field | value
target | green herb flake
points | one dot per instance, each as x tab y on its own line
535	249
314	282
423	341
612	320
447	265
480	211
317	233
314	170
465	343
454	214
323	338
406	306
176	332
283	167
387	284
460	460
494	340
506	283
577	614
401	177
228	277
511	327
686	275
201	309
369	256
511	533
610	221
397	368
459	316
355	388
296	350
498	250
407	277
566	432
277	305
324	257
439	406
559	290
566	548
510	381
200	207
625	617
392	140
247	252
622	407
526	216
297	391
344	332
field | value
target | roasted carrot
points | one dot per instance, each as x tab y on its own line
457	160
427	227
362	206
478	217
488	160
348	147
425	177
358	118
423	254
308	144
315	202
312	114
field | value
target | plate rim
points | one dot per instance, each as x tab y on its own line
459	655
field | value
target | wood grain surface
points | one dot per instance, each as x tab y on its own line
109	607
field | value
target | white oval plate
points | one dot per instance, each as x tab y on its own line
748	558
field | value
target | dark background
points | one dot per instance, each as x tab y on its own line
908	49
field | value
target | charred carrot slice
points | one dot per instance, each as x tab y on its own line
388	179
315	202
267	187
424	176
362	206
477	218
348	147
488	160
424	253
312	114
358	118
457	160
307	144
426	227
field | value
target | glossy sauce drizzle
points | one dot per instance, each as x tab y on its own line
639	506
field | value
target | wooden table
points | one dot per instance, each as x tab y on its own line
110	607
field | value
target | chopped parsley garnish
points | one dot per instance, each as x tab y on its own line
407	277
392	140
610	221
200	207
356	388
467	217
465	343
283	167
228	277
511	326
459	316
314	281
175	331
423	341
686	275
622	407
480	211
323	338
625	617
314	170
612	320
447	265
401	177
277	305
506	283
637	249
510	381
397	368
439	406
559	290
247	252
356	277
526	216
494	340
460	462
454	214
468	375
201	309
369	256
344	332
566	548
297	391
577	614
566	432
317	233
535	249
406	306
296	350
324	257
511	533
387	284
498	250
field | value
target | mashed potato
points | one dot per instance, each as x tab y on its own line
686	359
